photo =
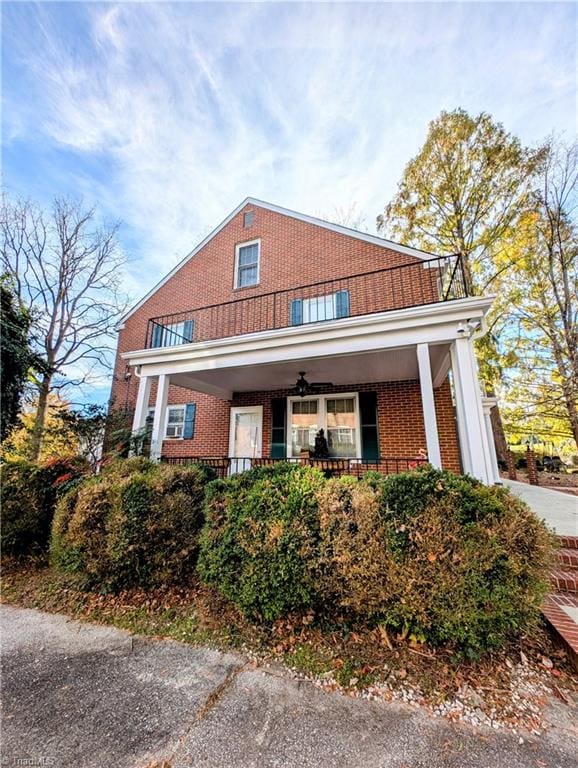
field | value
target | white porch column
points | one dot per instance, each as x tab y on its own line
142	403
160	416
428	406
471	424
487	404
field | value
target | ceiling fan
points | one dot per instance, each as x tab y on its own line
303	387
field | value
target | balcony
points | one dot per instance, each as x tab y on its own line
409	285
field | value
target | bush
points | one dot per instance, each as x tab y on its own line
259	543
434	555
28	495
136	524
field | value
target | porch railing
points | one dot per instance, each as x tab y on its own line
224	466
382	290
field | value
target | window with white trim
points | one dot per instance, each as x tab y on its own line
338	416
175	421
329	306
172	334
247	264
341	426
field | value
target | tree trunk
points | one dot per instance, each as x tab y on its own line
572	409
499	436
38	429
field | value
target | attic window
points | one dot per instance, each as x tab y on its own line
248	218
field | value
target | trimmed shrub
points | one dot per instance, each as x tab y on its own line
28	496
434	555
259	543
136	524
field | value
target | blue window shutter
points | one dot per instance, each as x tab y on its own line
157	339
342	304
189	427
296	312
187	331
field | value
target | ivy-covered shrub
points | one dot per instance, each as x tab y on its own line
136	524
28	496
434	555
259	543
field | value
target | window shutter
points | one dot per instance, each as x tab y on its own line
189	426
369	426
157	338
296	312
342	304
278	429
187	331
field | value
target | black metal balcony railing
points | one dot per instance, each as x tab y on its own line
407	285
224	466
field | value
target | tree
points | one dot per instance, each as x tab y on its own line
347	216
58	440
88	425
462	193
66	271
542	293
17	357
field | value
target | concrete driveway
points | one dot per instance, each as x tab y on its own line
86	696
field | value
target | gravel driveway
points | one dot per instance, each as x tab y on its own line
86	696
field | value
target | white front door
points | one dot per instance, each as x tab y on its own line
245	436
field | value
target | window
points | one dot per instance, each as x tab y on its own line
316	308
341	420
248	219
175	421
180	421
172	334
247	264
337	416
304	425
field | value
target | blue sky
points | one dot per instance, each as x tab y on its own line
166	115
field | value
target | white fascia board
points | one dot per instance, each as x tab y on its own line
434	324
373	239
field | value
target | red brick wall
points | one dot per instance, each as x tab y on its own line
293	253
401	428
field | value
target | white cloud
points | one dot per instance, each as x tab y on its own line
192	107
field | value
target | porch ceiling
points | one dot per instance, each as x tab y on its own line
384	365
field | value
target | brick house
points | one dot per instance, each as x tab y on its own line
279	324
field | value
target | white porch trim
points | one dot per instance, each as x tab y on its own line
431	324
428	406
160	416
471	425
142	403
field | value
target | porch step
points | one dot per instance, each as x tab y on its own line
568	542
561	612
568	558
564	580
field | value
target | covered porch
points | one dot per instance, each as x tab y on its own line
387	389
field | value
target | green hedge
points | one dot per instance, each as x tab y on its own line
28	497
258	547
426	553
137	523
434	555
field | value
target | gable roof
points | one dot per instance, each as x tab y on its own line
373	239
